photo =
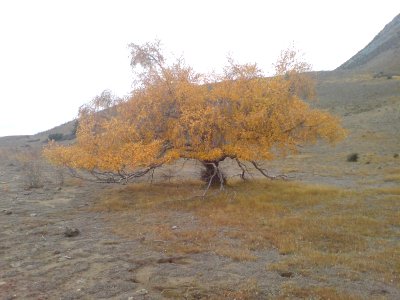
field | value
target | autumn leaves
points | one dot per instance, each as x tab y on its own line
176	113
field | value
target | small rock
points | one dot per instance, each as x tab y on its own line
2	283
141	292
7	212
59	188
174	227
16	264
33	215
286	274
27	193
379	292
71	232
56	252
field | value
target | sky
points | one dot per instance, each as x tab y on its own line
57	55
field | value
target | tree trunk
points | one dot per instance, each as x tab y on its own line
212	175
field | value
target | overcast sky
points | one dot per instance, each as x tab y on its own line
58	55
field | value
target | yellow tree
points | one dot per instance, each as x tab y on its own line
176	113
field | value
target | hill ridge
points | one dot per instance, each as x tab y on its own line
382	54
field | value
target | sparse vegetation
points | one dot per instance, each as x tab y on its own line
56	137
311	226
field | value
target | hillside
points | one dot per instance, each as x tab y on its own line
329	232
382	54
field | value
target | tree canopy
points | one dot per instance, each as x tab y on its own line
176	113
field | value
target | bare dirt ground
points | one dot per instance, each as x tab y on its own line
158	250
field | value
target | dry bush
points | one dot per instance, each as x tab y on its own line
353	157
32	168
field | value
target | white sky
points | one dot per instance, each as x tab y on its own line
58	55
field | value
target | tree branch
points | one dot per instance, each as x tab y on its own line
264	172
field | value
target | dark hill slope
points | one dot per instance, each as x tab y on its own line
382	54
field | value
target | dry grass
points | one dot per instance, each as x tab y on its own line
72	181
314	227
248	289
291	290
392	175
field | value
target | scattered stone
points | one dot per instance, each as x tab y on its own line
286	274
16	264
141	292
26	193
2	283
56	252
7	212
174	227
71	232
33	215
59	188
396	155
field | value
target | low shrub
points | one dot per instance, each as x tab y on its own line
352	157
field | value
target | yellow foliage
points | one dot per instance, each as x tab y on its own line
175	113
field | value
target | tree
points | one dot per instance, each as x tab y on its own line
174	113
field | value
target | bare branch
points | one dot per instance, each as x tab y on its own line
243	167
264	172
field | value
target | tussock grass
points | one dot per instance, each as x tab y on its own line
313	227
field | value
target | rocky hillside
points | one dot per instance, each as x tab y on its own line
381	55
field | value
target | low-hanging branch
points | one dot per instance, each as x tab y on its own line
111	177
